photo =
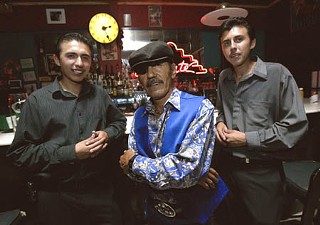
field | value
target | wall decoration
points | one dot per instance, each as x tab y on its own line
56	16
29	76
109	51
11	69
51	67
155	16
185	63
15	84
304	14
26	63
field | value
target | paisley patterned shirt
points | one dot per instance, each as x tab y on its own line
183	168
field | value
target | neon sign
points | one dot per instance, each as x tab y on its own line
186	63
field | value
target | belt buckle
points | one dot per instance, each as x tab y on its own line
164	208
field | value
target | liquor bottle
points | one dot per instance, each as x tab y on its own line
125	88
114	83
135	104
100	80
107	79
119	82
195	88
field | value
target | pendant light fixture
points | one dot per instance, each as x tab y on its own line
224	12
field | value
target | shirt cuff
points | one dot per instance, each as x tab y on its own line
218	120
67	153
253	139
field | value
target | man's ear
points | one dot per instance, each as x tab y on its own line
174	71
253	44
56	60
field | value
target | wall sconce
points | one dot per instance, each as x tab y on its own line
127	20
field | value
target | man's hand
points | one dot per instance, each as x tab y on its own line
230	138
221	129
92	146
209	180
124	160
235	138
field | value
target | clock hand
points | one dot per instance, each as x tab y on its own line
104	28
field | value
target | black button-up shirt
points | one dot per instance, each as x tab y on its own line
52	121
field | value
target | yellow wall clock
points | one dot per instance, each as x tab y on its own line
103	28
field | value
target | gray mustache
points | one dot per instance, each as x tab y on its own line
151	82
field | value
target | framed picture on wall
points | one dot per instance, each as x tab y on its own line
155	16
56	16
51	67
29	76
26	63
15	84
109	51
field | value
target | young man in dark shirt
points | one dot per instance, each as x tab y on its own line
63	140
260	113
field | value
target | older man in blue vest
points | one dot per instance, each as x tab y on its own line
171	144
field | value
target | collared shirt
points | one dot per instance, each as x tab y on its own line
266	105
52	121
192	159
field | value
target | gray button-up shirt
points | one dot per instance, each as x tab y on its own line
265	105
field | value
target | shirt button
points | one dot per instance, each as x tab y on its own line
79	113
81	131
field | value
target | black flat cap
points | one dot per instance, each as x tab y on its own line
151	53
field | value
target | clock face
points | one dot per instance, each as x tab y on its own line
103	28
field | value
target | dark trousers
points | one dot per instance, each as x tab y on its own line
93	206
256	194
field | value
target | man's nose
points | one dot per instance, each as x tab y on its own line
150	72
79	61
233	44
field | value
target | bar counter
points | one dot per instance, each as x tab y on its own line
7	138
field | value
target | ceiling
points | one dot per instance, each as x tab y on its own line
232	3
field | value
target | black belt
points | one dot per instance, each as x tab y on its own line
239	158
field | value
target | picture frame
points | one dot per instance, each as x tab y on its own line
109	51
51	67
56	16
14	84
155	16
26	63
29	76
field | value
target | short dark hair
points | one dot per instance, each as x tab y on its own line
70	37
237	21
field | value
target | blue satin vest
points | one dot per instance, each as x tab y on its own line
197	203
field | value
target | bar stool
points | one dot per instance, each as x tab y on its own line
303	183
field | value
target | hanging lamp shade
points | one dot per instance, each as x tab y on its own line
218	16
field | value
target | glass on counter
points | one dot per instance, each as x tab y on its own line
16	101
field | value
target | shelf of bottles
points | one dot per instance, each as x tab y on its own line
127	93
121	85
204	84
